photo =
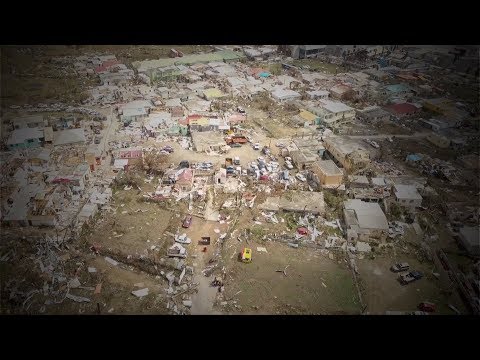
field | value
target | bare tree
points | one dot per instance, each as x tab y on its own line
155	163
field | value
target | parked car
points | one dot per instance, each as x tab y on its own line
256	146
235	145
410	277
187	221
301	177
286	175
427	306
374	144
168	149
241	110
399	267
184	164
302	231
288	165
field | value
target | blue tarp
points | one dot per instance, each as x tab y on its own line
264	74
414	157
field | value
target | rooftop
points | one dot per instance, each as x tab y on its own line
212	93
69	136
397	88
406	192
307	115
19	136
379	181
134	112
282	94
137	104
471	235
341	88
369	215
404	108
345	145
329	167
226	55
335	106
359	179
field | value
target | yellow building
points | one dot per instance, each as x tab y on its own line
327	173
309	117
212	93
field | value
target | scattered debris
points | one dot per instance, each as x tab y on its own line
111	261
78	298
284	271
140	293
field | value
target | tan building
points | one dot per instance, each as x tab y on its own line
303	159
327	173
351	154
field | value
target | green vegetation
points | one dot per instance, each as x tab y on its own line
343	287
396	211
335	203
256	232
275	69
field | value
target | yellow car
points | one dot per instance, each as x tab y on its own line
247	255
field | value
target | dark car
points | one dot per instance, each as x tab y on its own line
235	145
400	267
187	221
184	164
412	276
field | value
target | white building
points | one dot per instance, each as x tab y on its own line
407	195
365	221
333	113
285	94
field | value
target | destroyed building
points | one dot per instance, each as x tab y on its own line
351	154
296	201
342	92
207	141
304	158
373	114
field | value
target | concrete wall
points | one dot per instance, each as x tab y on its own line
334	118
409	202
42	220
